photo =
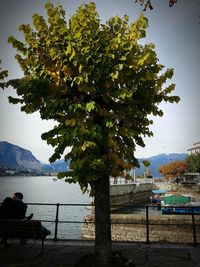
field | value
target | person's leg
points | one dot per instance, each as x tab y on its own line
29	217
23	240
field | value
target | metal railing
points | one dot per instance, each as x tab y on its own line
193	224
56	221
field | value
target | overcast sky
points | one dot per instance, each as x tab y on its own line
176	34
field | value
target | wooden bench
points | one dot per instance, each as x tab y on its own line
23	229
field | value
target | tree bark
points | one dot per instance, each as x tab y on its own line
103	251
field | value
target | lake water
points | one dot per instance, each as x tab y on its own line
45	190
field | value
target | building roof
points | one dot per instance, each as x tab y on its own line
196	143
193	148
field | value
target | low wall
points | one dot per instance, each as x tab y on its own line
130	199
131	194
121	189
132	227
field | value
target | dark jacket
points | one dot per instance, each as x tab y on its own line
19	209
12	209
6	208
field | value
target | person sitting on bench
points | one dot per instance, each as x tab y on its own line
13	208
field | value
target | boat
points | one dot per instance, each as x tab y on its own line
157	197
179	204
181	210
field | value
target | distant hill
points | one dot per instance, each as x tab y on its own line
60	165
15	157
12	156
158	160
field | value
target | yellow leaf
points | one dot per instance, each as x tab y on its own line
67	71
70	122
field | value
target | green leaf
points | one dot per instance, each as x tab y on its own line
80	68
143	21
62	175
87	144
90	106
115	75
109	124
69	49
78	35
143	58
72	54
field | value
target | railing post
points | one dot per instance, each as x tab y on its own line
194	228
147	224
56	222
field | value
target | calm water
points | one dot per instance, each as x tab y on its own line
46	190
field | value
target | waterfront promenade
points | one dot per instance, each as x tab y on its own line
67	253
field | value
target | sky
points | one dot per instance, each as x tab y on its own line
175	32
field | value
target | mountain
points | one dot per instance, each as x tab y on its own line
15	157
57	166
158	160
60	165
18	158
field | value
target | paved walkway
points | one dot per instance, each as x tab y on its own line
67	253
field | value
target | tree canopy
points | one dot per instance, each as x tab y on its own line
173	169
3	75
193	162
97	82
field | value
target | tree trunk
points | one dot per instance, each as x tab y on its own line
103	251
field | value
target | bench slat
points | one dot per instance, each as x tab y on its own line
22	229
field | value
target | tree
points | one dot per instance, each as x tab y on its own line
99	84
193	162
148	4
147	164
173	169
3	75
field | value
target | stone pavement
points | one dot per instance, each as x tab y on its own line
67	253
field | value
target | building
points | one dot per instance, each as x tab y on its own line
190	178
195	148
10	172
